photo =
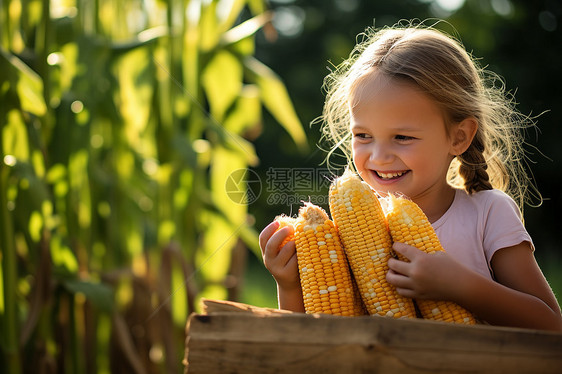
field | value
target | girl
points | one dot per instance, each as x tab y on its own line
416	116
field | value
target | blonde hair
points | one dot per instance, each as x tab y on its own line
440	66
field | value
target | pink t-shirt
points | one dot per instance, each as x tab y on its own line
476	226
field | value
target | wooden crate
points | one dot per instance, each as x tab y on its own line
238	338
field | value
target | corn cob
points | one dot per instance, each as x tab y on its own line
363	231
285	221
408	224
326	281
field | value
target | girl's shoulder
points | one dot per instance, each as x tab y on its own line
484	196
488	200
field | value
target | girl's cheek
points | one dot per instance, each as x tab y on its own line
359	153
355	148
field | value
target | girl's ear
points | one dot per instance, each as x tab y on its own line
462	135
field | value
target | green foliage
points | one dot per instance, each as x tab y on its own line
121	124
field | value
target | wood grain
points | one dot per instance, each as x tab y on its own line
248	339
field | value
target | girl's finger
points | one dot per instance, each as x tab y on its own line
405	250
286	253
292	263
266	234
398	280
398	266
272	247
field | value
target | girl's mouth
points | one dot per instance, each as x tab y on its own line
388	176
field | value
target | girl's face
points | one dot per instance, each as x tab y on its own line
399	139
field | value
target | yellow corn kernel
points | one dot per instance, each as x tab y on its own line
408	224
326	280
361	224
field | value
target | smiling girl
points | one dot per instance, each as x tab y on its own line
416	116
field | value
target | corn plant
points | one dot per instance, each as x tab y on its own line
122	124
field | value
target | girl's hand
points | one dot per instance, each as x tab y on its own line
427	276
281	263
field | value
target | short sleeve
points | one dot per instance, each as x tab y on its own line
503	224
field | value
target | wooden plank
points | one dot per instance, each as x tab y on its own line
235	342
210	306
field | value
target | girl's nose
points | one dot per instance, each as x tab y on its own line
380	154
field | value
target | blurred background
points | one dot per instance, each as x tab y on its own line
146	143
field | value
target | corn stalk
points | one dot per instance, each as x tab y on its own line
122	123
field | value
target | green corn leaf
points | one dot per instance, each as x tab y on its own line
229	177
144	38
14	136
251	238
246	114
222	81
208	24
29	85
135	97
245	29
236	7
213	258
99	294
276	99
63	258
257	6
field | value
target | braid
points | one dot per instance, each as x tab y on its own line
473	167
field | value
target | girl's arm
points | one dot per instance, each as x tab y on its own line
282	264
521	296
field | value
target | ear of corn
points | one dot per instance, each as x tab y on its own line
362	227
326	280
408	224
285	221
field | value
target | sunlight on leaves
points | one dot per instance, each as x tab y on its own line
38	163
79	184
14	136
125	163
35	225
150	113
190	58
182	193
210	33
213	258
68	65
103	336
230	198
134	98
15	20
276	99
124	293
228	12
56	173
247	111
222	80
47	214
257	6
246	29
29	84
62	256
179	296
166	230
134	242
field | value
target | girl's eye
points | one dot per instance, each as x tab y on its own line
404	138
362	135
